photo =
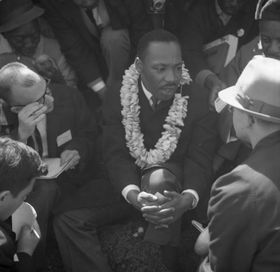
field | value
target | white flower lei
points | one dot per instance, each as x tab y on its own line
130	112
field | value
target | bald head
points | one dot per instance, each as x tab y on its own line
16	75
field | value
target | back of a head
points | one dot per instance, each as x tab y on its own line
157	35
19	164
15	73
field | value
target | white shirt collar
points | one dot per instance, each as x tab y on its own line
147	93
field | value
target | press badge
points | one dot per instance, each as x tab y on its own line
64	138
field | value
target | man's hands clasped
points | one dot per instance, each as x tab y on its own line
161	210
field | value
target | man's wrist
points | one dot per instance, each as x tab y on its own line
192	194
132	198
21	136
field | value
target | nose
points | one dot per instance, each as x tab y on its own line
171	76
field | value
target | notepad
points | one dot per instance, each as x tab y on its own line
220	52
54	168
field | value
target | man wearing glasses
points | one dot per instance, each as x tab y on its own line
67	131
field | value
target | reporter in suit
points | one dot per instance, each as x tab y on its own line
68	131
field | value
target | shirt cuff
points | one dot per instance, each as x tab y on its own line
129	188
194	194
202	75
97	85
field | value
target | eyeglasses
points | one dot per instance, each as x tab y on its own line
41	100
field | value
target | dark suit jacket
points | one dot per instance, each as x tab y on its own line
193	154
202	25
81	49
8	249
70	113
244	212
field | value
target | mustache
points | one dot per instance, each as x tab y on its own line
170	85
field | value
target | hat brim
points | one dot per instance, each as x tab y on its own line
25	18
229	96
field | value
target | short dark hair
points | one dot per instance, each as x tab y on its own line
157	35
15	73
19	164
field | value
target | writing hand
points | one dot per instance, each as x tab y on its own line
28	240
71	157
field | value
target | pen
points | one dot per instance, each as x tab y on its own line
35	232
198	226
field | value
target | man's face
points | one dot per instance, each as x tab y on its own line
231	7
10	203
24	39
23	96
86	3
270	38
161	69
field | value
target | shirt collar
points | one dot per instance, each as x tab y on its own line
146	92
222	16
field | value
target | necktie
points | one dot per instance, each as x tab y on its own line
154	103
92	19
35	141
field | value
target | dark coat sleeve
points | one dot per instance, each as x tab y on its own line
193	34
119	164
198	163
233	225
7	251
85	58
84	128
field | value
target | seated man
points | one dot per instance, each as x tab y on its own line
55	120
19	166
21	34
208	21
158	147
97	35
244	208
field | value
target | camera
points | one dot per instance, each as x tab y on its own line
155	6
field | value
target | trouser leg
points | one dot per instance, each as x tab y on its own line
156	181
76	234
115	45
43	199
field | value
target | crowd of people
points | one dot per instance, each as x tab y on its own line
144	121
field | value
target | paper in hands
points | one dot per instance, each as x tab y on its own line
25	215
54	168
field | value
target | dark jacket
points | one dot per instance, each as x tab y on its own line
202	25
8	249
81	49
70	114
244	212
194	151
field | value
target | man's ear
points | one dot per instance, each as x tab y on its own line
4	195
138	65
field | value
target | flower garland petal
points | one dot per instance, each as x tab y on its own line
167	144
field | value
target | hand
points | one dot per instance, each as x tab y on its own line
169	212
214	85
201	246
46	66
71	157
28	239
28	117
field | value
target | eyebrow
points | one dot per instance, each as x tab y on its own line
166	64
